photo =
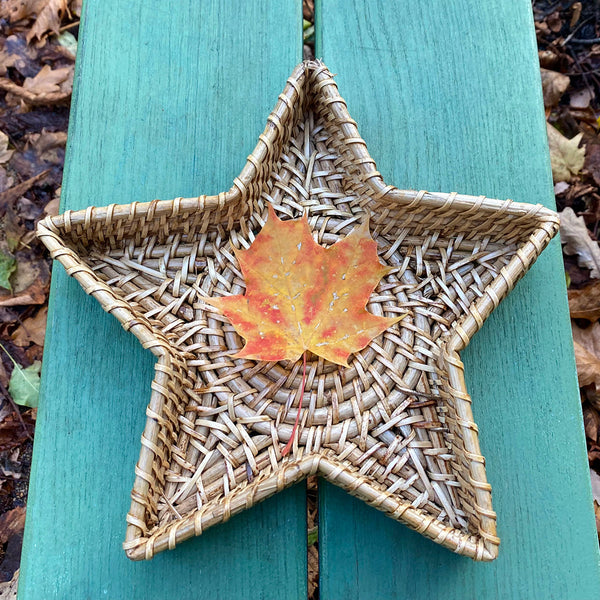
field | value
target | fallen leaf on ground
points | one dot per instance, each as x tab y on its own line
595	479
46	143
8	589
585	303
575	238
5	153
30	97
48	86
32	331
51	209
16	10
3	379
49	80
587	354
301	296
11	522
592	161
75	7
554	85
580	99
591	422
595	485
29	282
565	155
560	188
24	385
48	19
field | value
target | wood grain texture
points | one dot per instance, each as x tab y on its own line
170	98
447	97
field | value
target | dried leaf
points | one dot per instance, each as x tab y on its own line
15	10
565	155
585	303
576	239
576	8
52	207
588	366
11	523
554	85
587	354
580	99
48	19
3	380
8	589
301	296
75	7
595	485
591	422
592	161
46	143
561	187
32	331
49	81
5	153
24	385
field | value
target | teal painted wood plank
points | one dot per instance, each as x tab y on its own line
447	96
170	99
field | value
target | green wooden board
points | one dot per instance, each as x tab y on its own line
447	97
169	100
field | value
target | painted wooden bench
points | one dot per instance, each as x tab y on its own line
169	99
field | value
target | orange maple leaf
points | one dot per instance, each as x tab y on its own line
301	296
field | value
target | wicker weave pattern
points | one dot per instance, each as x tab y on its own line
394	429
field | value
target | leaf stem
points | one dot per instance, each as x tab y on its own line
290	443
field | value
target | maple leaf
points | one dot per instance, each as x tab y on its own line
301	296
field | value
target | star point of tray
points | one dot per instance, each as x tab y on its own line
395	427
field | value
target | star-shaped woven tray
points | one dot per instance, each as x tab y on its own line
395	428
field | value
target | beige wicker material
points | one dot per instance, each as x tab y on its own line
395	428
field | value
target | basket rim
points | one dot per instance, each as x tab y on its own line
139	546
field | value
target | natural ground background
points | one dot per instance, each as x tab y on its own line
38	44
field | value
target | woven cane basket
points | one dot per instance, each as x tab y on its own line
395	428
